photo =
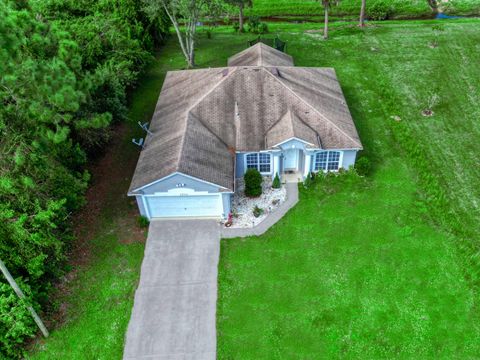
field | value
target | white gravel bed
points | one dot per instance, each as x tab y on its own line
242	206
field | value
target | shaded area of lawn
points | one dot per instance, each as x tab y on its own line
359	269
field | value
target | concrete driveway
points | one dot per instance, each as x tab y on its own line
173	315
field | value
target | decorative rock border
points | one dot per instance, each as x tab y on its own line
271	219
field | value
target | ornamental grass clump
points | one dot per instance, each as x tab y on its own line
253	183
257	211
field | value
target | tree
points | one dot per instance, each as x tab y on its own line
327	4
182	12
242	4
66	67
362	13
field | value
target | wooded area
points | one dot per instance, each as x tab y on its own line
66	70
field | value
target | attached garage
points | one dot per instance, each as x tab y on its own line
180	195
184	205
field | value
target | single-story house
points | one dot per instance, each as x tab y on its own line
211	125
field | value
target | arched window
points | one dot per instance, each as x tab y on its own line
259	161
327	161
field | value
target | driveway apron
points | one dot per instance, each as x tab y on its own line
173	315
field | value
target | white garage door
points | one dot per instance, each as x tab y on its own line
179	206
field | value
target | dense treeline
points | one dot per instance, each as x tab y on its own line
66	68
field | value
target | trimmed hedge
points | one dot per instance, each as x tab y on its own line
253	183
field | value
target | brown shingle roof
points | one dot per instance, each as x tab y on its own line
260	55
291	126
203	116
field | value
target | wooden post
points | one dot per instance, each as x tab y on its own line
21	295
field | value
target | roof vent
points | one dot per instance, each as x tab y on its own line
225	72
275	72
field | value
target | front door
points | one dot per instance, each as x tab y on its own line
290	159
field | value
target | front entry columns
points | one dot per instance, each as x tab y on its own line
308	163
276	163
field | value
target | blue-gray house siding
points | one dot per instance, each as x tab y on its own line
181	195
175	180
239	165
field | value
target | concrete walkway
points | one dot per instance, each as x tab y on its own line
173	315
270	220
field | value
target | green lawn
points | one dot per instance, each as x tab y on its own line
360	268
365	268
351	8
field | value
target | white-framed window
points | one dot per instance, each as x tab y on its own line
327	161
259	161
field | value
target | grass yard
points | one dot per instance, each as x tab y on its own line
359	269
351	8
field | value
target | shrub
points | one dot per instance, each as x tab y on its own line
254	25
363	166
253	183
307	181
257	211
276	182
379	11
143	221
236	27
16	323
262	28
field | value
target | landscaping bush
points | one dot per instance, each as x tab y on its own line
308	180
276	182
262	28
253	183
16	322
143	221
254	25
363	166
379	11
257	211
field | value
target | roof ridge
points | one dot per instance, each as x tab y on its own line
189	111
303	122
182	146
308	126
260	58
290	114
276	122
233	68
312	107
209	130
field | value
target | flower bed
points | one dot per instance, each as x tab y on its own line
242	206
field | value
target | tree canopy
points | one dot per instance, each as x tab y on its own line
66	66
